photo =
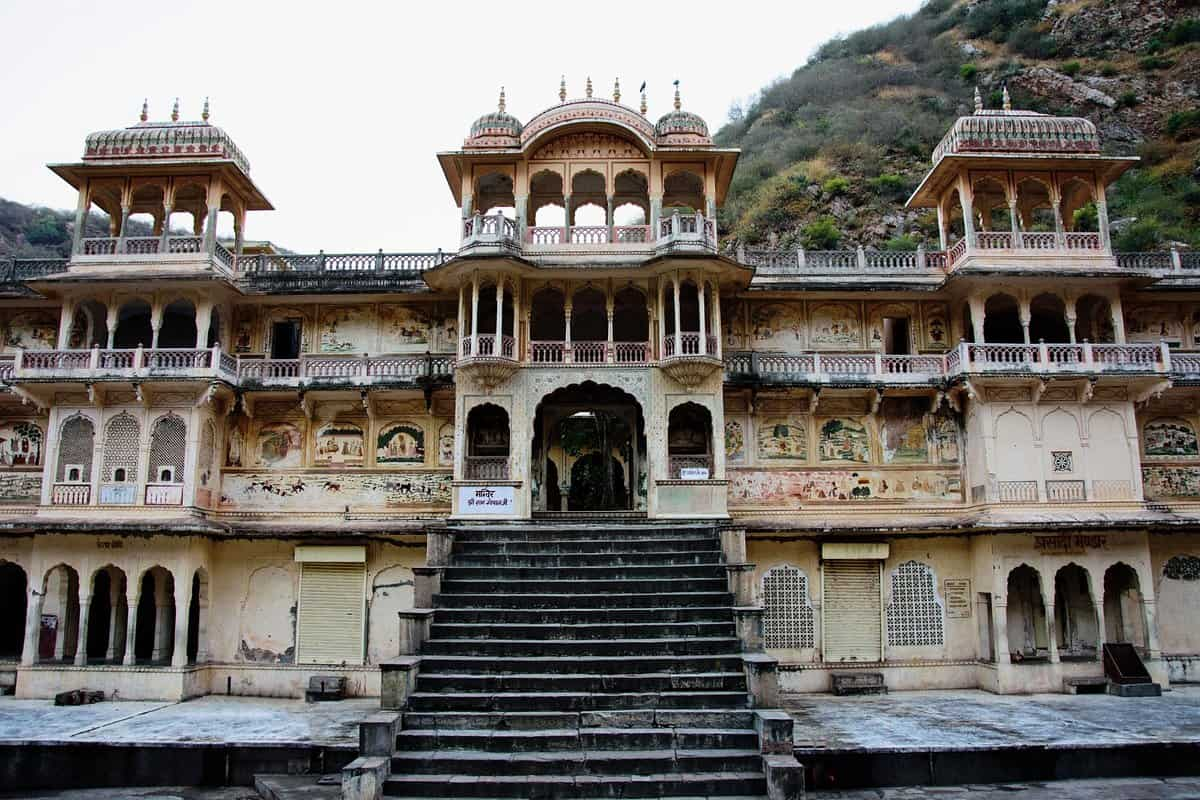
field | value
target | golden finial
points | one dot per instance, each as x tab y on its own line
678	105
1007	99
175	111
562	89
500	105
145	110
589	87
204	113
616	90
978	101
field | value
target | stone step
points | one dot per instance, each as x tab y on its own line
517	648
724	784
540	559
572	701
566	600
581	616
573	762
611	533
584	586
588	546
510	741
722	718
587	665
580	631
606	572
583	682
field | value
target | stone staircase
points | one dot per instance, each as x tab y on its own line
580	662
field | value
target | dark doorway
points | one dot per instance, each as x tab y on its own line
895	336
13	598
193	631
285	339
99	617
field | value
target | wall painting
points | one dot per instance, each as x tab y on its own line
346	330
33	330
778	324
402	326
400	443
1170	438
333	491
783	438
339	443
1170	481
945	439
844	439
20	444
446	445
902	430
790	488
280	445
835	325
735	441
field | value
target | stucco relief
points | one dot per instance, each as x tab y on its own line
20	488
790	488
937	326
333	491
1152	323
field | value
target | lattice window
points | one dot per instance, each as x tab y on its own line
122	438
208	448
914	617
1182	568
167	447
1062	461
788	616
75	445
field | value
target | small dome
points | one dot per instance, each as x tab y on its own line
496	123
678	121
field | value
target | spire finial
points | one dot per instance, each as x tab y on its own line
616	90
562	89
175	111
145	110
204	113
500	105
644	107
678	105
978	100
1007	99
589	87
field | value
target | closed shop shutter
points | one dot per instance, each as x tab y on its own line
330	625
852	606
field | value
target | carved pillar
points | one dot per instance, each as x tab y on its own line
1015	224
1071	316
165	233
65	321
475	315
33	625
204	313
941	223
522	201
1102	219
81	215
162	617
132	596
156	320
1026	316
499	316
114	621
85	607
1000	632
718	330
656	201
183	601
702	311
675	284
1118	319
121	232
1048	603
978	314
567	221
609	216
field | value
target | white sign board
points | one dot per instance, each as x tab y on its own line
486	499
693	473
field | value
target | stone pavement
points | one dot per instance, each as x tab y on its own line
971	719
1102	789
214	719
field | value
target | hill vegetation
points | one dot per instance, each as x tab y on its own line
35	232
831	153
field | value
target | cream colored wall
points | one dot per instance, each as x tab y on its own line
1178	600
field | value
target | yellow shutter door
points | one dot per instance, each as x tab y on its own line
851	607
331	614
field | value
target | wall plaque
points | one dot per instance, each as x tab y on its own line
1069	543
486	499
957	592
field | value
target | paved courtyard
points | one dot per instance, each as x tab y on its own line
213	720
1114	789
969	719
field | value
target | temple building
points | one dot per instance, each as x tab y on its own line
226	468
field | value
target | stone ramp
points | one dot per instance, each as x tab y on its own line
576	662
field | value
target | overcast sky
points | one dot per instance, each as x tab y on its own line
341	106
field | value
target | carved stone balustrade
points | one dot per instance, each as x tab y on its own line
487	358
334	371
99	364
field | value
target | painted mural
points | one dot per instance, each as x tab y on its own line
32	330
945	439
1169	438
401	327
280	445
20	488
844	439
783	438
735	441
346	330
339	443
902	430
401	443
1170	481
734	323
937	326
835	325
790	488
778	324
243	331
20	444
1152	323
333	491
446	446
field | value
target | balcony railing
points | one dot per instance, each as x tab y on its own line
486	468
688	344
484	345
333	272
128	363
164	494
629	353
169	245
70	494
333	369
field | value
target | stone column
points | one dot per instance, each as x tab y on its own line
655	214
66	321
81	215
1150	611
110	321
522	201
499	316
1071	316
1118	319
64	616
475	315
675	284
33	626
702	311
943	239
131	607
121	233
978	314
156	321
1102	219
718	330
1026	316
114	620
968	212
1047	587
1000	631
609	217
85	607
567	309
165	234
183	602
204	313
1101	628
162	616
566	219
1015	223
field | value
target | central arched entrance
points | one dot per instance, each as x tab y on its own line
588	451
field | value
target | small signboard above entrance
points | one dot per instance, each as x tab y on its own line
693	473
486	499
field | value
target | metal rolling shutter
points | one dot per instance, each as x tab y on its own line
330	625
852	608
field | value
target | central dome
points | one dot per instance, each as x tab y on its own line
681	127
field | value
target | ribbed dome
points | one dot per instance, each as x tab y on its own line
496	123
992	130
162	140
679	121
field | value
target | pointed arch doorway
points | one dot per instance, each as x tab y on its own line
589	451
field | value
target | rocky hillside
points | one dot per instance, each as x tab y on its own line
34	232
831	153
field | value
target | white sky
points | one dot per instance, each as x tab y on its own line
341	106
